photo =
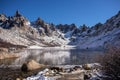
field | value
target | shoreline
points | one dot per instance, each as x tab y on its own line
68	71
64	47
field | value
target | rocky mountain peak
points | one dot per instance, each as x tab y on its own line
17	14
11	21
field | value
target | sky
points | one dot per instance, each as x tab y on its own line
80	12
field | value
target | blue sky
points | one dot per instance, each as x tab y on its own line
80	12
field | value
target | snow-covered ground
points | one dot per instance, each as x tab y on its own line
35	47
98	41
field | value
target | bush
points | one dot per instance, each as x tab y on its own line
111	64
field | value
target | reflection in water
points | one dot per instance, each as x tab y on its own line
83	56
55	57
7	61
44	57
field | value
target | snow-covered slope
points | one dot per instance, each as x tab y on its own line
104	35
98	36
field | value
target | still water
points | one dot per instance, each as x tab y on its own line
55	57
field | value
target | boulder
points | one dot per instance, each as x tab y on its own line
87	66
31	65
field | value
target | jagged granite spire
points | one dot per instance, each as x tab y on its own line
17	14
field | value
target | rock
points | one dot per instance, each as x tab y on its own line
17	14
57	69
76	67
71	70
18	79
24	67
47	74
87	76
31	65
87	66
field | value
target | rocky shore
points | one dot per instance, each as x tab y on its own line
70	72
32	70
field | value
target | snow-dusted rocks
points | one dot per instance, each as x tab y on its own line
67	72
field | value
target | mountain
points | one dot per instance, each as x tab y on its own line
18	30
98	36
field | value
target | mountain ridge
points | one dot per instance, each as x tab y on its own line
20	31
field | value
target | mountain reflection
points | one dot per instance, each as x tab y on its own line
55	57
51	57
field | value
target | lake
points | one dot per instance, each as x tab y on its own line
55	57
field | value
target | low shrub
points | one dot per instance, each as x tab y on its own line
111	64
